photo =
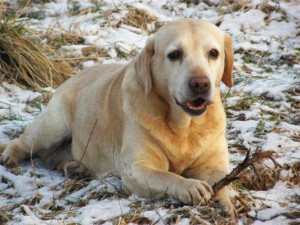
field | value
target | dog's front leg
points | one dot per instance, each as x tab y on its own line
211	176
212	169
148	176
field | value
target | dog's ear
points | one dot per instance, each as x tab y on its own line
143	67
228	48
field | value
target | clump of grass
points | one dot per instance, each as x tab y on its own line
260	177
131	218
94	52
67	38
70	186
4	218
268	9
139	18
124	53
232	6
244	104
196	2
25	62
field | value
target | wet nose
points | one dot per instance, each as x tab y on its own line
200	84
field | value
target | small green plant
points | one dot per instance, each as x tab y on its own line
244	104
260	128
74	7
38	105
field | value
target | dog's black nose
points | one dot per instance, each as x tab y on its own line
200	84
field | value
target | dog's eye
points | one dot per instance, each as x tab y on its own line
214	53
174	55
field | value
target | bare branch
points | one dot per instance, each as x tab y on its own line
249	160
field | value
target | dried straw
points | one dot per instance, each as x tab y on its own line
25	62
140	18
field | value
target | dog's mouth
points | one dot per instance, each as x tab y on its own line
195	107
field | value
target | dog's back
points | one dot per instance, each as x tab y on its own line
89	101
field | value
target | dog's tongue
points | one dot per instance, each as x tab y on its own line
197	104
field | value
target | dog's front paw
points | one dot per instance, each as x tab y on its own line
8	161
193	192
227	207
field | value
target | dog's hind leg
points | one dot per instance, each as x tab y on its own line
2	147
46	133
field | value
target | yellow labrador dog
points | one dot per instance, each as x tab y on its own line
158	122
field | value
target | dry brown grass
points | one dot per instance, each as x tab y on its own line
262	178
66	38
131	218
25	62
94	52
4	218
140	18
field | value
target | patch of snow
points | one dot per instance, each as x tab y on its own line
103	210
156	215
252	213
88	63
246	46
250	21
280	193
56	8
267	214
291	127
280	220
245	126
275	141
292	10
184	221
275	29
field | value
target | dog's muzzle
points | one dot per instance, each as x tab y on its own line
199	88
195	107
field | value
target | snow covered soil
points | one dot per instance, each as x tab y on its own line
263	111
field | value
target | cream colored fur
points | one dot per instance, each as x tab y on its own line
140	133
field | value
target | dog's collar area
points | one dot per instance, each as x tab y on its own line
195	107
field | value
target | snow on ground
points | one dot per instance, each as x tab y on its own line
263	111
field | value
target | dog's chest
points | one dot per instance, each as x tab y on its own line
183	148
184	151
179	164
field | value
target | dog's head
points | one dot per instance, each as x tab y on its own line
184	62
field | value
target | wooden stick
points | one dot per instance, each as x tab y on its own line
249	160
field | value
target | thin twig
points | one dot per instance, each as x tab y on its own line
78	58
32	166
8	104
88	140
